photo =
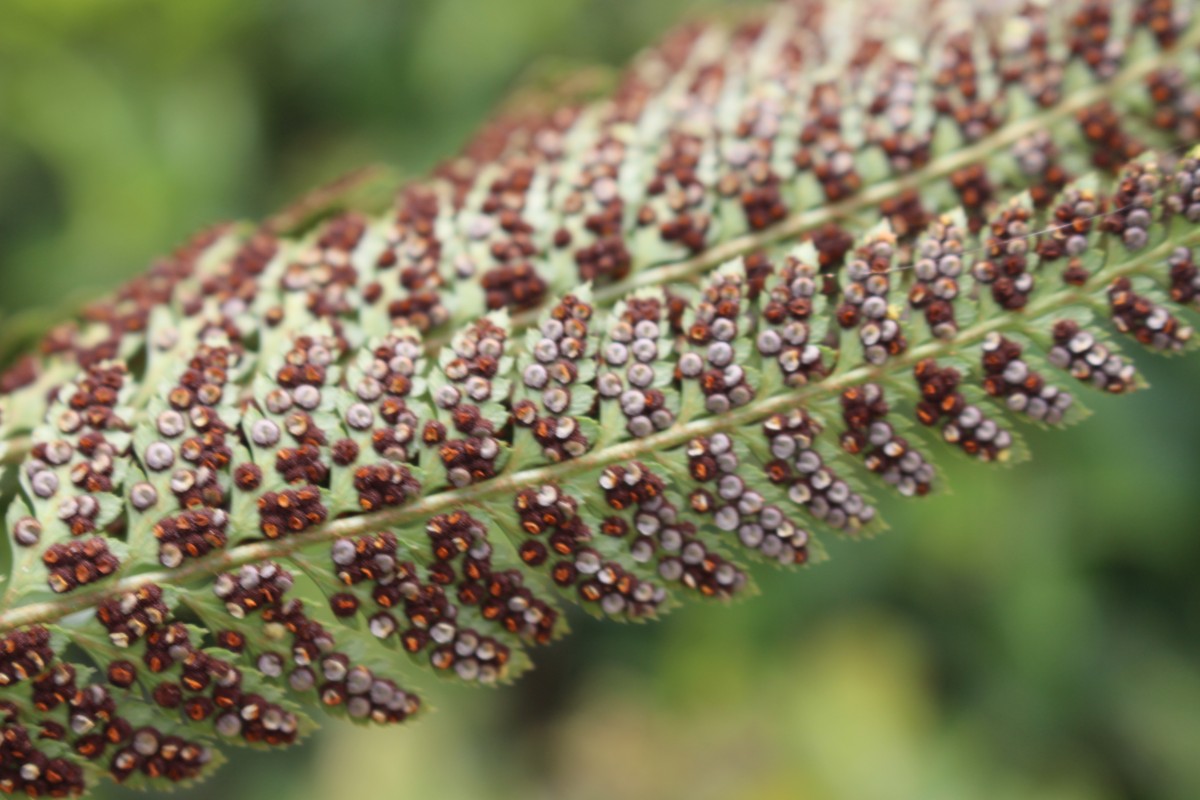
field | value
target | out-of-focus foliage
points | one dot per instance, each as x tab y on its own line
1036	634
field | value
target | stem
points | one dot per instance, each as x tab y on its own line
509	484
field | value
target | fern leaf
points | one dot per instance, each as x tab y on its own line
608	356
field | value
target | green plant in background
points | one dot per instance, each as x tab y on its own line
601	357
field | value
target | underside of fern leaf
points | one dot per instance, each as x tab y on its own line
609	356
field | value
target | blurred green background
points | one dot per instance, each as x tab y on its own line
1033	634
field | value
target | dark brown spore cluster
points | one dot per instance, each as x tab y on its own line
190	534
290	511
68	477
1175	110
832	242
1008	377
905	214
233	284
131	615
305	370
786	331
558	538
513	286
298	393
607	259
631	365
93	402
870	435
1184	276
893	106
252	589
1183	196
975	191
1078	351
712	337
676	197
551	374
683	557
24	654
1163	18
194	442
189	455
822	149
382	393
751	176
1112	145
936	273
407	277
384	485
1134	202
592	225
960	95
1073	221
1005	267
1039	160
865	301
758	267
963	424
736	507
93	472
1150	323
797	465
77	563
502	233
478	354
159	756
1069	233
324	273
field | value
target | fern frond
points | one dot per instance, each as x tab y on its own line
605	357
